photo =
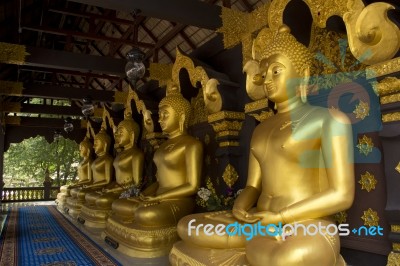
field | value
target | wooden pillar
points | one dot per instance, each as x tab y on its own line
2	139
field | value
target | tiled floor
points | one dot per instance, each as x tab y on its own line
95	236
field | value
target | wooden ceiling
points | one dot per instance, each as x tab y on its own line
77	48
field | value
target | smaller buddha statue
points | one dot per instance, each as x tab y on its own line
102	171
300	173
128	165
145	226
84	174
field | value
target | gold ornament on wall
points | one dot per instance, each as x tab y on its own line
396	247
370	217
340	217
393	259
365	145
362	110
11	88
230	176
367	181
395	228
398	167
160	72
12	53
387	86
391	117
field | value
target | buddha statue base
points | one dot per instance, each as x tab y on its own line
138	241
94	217
73	207
183	253
61	201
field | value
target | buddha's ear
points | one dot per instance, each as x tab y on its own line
304	84
182	119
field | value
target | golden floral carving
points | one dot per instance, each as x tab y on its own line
390	98
320	11
256	105
120	96
199	109
396	246
229	144
238	26
393	259
227	133
263	115
370	217
398	167
367	181
12	53
140	106
388	67
225	115
107	116
395	228
340	217
227	125
362	110
160	72
196	74
365	145
11	88
390	117
387	86
230	176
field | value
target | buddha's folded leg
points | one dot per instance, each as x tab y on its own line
124	209
191	229
105	201
166	213
297	249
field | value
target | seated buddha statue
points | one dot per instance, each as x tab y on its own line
84	174
128	165
145	226
102	171
300	173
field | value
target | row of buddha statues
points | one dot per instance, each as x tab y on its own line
300	171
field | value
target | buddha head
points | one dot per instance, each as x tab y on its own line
174	113
284	64
85	148
127	132
102	142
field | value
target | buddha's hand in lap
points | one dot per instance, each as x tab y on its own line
265	217
244	216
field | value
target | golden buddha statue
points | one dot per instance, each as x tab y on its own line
84	174
145	226
128	166
300	173
102	171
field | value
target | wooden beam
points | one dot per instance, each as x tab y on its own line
61	92
84	35
169	36
186	12
47	58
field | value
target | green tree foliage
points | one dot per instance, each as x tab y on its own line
25	163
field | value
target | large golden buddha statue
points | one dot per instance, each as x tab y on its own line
300	173
145	226
102	171
84	174
128	165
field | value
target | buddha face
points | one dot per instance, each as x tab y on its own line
168	119
83	151
280	78
122	136
99	146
